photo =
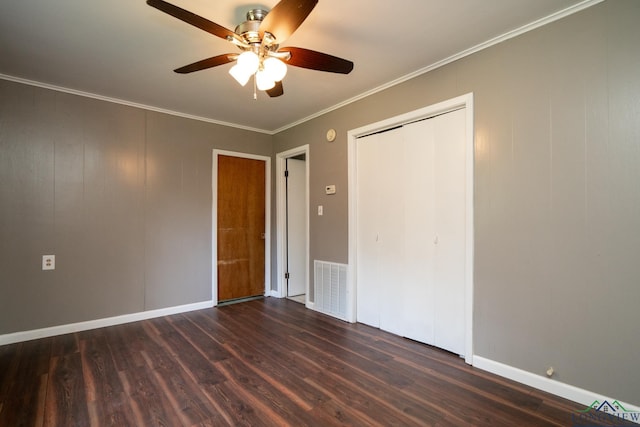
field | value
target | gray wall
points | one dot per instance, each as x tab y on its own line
120	195
557	193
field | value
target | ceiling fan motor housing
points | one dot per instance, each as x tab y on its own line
256	14
248	30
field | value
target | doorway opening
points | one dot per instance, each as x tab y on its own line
292	191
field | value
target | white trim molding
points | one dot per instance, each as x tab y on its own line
128	103
100	323
281	217
566	391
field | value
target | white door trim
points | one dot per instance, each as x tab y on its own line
281	217
463	101
214	220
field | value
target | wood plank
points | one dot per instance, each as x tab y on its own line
150	405
262	393
106	398
65	344
26	410
231	400
23	382
185	396
66	403
333	413
276	364
10	356
31	363
125	344
336	372
198	365
207	345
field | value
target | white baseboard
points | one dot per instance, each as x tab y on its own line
273	293
100	323
549	385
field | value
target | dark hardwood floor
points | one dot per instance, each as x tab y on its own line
265	362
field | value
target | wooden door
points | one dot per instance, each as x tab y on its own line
241	227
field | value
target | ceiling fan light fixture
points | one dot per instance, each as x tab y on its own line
240	75
246	65
275	68
249	62
259	39
264	81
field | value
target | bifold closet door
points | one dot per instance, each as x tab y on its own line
378	239
411	230
418	286
434	309
450	214
395	229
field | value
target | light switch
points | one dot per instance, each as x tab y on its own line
320	210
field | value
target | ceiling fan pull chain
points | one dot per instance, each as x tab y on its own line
255	90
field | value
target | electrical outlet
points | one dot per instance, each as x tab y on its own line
48	262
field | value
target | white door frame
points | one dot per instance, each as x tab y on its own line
463	101
281	218
214	220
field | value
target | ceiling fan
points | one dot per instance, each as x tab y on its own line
259	39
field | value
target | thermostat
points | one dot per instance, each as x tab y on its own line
330	189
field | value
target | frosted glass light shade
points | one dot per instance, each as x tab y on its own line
264	81
275	68
249	62
239	74
246	65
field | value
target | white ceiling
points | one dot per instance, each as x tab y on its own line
126	50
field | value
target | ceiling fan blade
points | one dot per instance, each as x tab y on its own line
277	90
207	63
192	18
286	17
313	60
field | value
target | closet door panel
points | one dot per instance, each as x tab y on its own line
368	206
391	232
450	228
419	302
